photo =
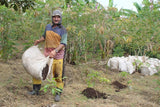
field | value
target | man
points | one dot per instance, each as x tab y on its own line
55	37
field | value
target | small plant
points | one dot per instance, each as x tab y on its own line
101	79
93	76
124	74
130	81
51	85
138	64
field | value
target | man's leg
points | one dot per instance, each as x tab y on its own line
57	73
36	87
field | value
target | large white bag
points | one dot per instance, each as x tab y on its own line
122	64
36	64
150	67
113	63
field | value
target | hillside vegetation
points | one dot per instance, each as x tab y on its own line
95	34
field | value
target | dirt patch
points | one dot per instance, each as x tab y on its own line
118	85
92	93
15	83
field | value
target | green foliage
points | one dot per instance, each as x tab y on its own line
110	3
138	7
138	64
6	42
158	83
91	78
89	29
130	81
153	54
95	76
124	74
141	28
4	2
118	51
19	5
51	86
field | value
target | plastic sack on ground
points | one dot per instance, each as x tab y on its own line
150	67
36	64
148	70
147	66
130	67
122	64
113	63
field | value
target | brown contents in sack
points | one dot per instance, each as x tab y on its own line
45	71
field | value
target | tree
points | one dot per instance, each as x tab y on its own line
18	5
4	2
141	11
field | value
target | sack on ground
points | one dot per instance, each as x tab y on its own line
36	64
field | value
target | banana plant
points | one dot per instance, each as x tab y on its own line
138	7
141	11
110	3
128	12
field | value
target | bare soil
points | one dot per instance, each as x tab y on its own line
132	91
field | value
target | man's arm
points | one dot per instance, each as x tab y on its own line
38	41
53	53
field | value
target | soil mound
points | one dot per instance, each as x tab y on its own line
92	93
118	85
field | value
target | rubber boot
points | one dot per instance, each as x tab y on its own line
57	96
36	88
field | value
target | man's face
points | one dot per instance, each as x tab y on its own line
56	19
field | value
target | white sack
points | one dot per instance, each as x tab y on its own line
113	63
123	65
145	70
140	60
130	67
150	67
131	59
153	61
34	62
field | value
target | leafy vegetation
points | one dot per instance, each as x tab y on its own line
95	76
93	32
18	5
51	86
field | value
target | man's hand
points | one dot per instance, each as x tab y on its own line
36	42
52	54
